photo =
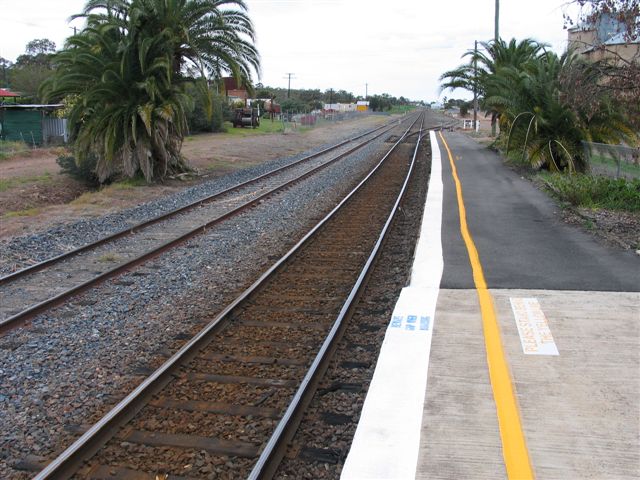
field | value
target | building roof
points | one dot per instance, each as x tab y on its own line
231	83
7	93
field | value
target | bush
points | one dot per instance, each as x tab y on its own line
85	171
292	105
595	191
197	117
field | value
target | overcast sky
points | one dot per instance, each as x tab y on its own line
399	47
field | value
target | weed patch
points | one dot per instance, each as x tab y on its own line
10	149
137	181
594	191
9	183
108	257
29	212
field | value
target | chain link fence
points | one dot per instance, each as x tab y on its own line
294	121
617	161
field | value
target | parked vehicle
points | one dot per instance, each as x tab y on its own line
246	117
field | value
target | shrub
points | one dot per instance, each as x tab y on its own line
595	191
83	171
197	117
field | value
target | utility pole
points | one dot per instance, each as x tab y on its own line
496	38
496	35
289	88
366	91
475	85
333	113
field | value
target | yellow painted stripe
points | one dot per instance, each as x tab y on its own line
514	447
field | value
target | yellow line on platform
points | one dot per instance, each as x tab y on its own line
514	447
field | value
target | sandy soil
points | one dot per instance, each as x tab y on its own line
34	195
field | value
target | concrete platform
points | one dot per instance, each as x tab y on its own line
567	312
580	410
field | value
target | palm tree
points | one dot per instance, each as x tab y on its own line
483	65
128	67
535	109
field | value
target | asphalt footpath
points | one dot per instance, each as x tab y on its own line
567	309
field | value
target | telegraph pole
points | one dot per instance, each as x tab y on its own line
366	91
496	37
497	21
475	85
289	88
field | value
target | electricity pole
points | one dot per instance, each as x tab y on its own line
497	22
496	38
475	85
289	88
366	91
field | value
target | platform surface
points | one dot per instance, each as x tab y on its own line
579	406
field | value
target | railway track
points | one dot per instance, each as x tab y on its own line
234	393
35	289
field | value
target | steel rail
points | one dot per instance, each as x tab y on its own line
146	223
101	432
36	309
271	456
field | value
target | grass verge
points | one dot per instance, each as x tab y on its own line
9	183
29	212
594	191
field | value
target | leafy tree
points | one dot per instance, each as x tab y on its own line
380	103
40	46
31	69
627	12
129	67
263	93
619	75
293	105
5	68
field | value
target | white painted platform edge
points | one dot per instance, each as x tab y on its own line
387	439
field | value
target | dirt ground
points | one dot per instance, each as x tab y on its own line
34	195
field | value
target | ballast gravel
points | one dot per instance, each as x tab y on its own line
20	252
77	361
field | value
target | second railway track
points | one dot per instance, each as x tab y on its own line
35	289
225	391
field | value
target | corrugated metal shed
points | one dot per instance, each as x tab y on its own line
24	122
21	125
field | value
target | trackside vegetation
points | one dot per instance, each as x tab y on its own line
547	105
534	95
128	72
594	192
